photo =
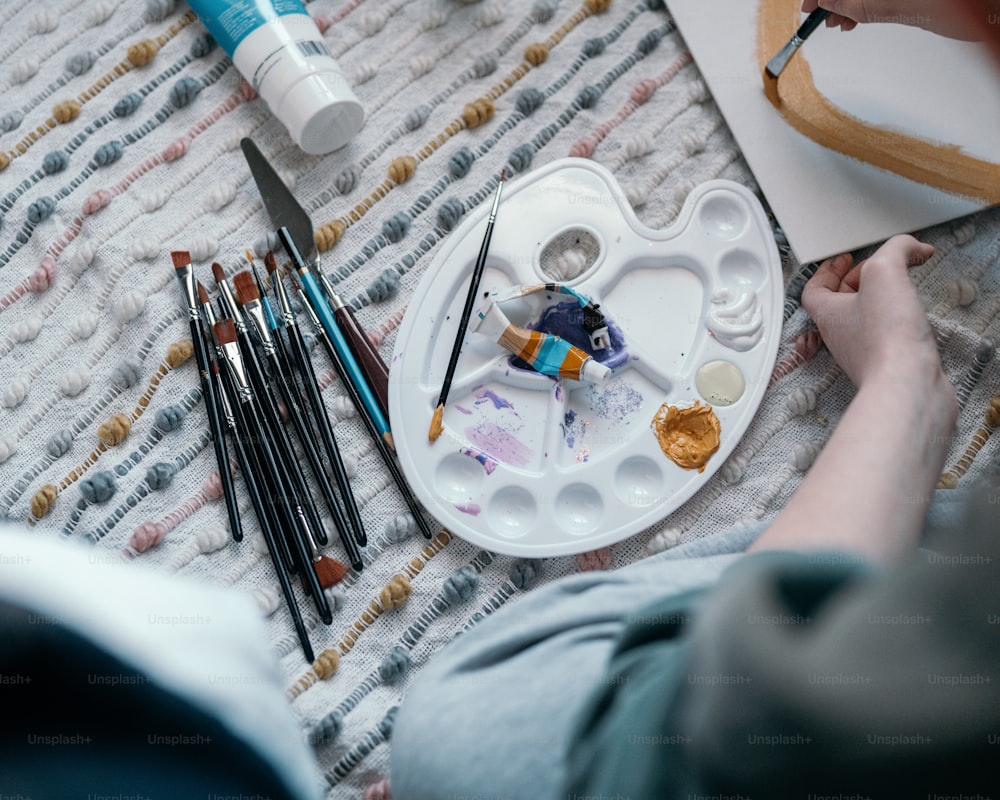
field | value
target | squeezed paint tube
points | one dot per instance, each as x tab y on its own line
277	47
546	353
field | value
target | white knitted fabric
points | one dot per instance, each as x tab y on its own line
89	304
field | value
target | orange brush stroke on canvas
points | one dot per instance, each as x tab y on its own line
795	95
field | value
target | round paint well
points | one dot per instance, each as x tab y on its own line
459	478
723	217
740	269
579	508
639	482
512	512
720	383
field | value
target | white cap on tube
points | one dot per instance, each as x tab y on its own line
321	112
594	371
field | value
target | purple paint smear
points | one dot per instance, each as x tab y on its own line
491	396
500	444
469	508
566	321
489	464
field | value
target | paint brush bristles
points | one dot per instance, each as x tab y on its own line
780	59
437	425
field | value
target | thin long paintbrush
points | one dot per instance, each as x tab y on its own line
371	363
437	425
388	457
284	452
250	302
298	538
303	363
185	274
225	335
348	369
267	515
780	59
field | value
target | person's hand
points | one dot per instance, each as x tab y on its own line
937	16
870	316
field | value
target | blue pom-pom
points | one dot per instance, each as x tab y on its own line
529	101
461	162
202	45
524	572
160	475
41	209
327	729
59	443
348	179
54	162
543	10
594	47
588	97
450	213
127	373
158	10
521	158
655	5
396	227
417	117
649	42
388	722
99	488
384	286
395	665
109	153
461	584
127	105
81	62
184	92
10	121
170	418
484	65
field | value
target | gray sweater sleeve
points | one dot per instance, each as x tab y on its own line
803	676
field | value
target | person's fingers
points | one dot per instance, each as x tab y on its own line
894	258
826	279
848	24
808	6
852	279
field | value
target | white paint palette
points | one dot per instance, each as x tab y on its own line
533	466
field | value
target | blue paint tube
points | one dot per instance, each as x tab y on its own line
277	47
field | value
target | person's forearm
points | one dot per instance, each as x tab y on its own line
869	489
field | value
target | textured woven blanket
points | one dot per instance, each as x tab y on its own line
119	142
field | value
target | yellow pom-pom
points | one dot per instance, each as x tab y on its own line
395	592
327	663
141	53
401	169
477	112
536	54
43	500
328	235
4	161
993	412
598	6
66	111
947	481
115	430
179	352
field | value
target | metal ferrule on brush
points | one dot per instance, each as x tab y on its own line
255	313
232	308
231	353
186	276
284	304
784	55
335	302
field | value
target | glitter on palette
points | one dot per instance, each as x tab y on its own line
489	464
568	427
470	508
615	401
574	428
500	444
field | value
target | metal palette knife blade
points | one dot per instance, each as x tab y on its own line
282	207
